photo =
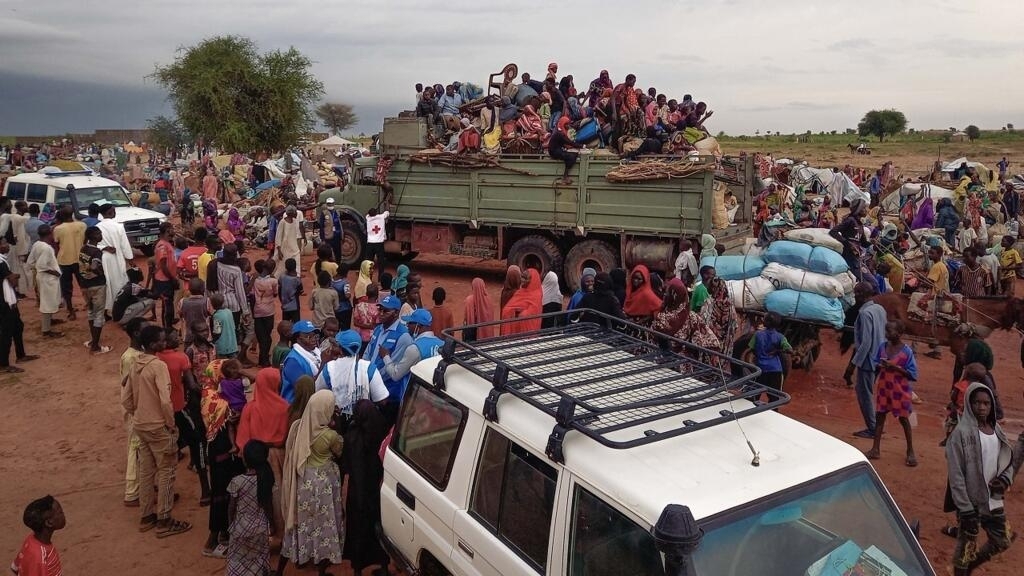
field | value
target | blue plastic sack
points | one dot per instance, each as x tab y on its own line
735	267
804	256
806	306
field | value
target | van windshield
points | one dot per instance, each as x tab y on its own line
844	523
113	194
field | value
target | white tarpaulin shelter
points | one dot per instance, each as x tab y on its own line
891	203
335	142
952	165
837	185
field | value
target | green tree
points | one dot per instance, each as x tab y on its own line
973	132
167	133
226	92
336	116
882	123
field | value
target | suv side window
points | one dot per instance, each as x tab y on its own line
15	191
605	542
36	193
61	197
428	432
513	497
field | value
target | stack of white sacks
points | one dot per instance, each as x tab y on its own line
802	277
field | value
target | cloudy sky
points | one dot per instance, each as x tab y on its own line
786	65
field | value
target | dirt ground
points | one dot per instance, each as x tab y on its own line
62	435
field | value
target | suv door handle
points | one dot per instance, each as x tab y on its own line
405	496
465	549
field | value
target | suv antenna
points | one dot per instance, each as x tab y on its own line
757	455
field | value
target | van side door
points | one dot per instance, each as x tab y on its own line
508	526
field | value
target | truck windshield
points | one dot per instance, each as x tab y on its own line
113	194
840	524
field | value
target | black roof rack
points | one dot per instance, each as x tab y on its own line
606	379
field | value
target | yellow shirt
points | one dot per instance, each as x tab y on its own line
70	236
939	277
202	262
1008	259
329	267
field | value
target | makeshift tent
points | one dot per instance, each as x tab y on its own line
335	142
837	185
989	178
891	203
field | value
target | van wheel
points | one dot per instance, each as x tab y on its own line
596	254
353	242
536	252
430	566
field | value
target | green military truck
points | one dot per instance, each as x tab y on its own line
513	207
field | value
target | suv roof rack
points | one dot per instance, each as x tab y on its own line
601	379
68	173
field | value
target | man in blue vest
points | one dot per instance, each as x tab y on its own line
390	337
330	228
302	360
399	363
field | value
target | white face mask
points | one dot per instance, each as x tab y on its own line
330	207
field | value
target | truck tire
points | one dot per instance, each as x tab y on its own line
596	254
353	243
536	252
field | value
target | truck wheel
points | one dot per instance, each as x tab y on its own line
352	244
536	252
596	254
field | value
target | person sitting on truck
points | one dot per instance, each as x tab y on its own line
449	104
560	148
428	108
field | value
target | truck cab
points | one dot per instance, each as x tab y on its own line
79	189
587	450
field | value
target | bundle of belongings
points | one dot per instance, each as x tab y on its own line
802	276
520	115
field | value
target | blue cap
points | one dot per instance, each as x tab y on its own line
350	341
303	327
419	316
390	303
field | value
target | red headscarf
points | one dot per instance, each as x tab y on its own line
641	301
525	302
266	417
479	308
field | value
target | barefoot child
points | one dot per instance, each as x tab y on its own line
38	556
251	513
897	368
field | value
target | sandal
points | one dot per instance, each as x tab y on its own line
951	531
147	523
221	552
102	350
13	370
172	527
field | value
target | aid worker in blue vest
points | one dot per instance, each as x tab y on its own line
349	378
389	338
302	360
398	364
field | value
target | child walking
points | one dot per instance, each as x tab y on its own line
769	346
324	299
897	368
251	513
38	556
265	291
195	308
225	339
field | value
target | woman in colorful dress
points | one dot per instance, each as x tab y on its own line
252	514
222	460
676	320
311	489
720	315
897	368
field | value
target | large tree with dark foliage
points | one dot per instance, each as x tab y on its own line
882	123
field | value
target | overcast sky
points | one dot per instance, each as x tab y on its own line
786	65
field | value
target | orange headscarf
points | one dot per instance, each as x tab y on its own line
513	281
525	302
479	308
266	417
641	301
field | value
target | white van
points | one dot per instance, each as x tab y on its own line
584	451
47	185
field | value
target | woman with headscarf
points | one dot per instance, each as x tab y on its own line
566	87
720	315
586	287
364	280
532	126
601	299
850	233
478	309
618	276
305	386
676	320
513	282
401	280
223	462
551	300
311	489
509	111
366	432
708	246
561	147
641	302
525	302
552	74
598	86
235	224
265	418
49	213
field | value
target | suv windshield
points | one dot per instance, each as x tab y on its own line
113	194
840	524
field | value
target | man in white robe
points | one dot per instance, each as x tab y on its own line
288	241
42	264
117	252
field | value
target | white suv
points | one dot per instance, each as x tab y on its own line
80	189
584	451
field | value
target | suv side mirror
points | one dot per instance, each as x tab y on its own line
677	535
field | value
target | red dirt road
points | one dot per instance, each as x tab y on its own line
62	435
